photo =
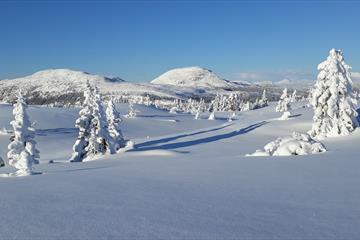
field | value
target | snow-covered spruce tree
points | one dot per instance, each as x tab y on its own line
22	152
246	106
132	112
230	117
99	140
264	100
197	114
114	120
333	98
293	97
284	102
212	111
83	123
212	116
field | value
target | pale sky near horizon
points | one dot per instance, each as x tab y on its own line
139	40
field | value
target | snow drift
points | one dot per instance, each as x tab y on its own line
297	144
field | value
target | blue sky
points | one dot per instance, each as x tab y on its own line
138	40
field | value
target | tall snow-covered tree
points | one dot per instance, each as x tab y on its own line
114	120
284	102
22	152
99	140
333	98
83	123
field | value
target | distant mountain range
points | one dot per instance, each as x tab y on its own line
66	86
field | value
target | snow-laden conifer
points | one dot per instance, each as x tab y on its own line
114	120
293	97
132	112
284	102
83	123
99	140
333	98
22	152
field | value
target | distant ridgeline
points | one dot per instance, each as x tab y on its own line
64	87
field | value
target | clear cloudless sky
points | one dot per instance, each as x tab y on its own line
139	40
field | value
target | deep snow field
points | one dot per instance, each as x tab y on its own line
185	178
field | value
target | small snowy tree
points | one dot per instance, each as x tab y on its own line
230	117
212	115
333	98
263	101
83	123
284	102
246	106
293	97
132	112
22	152
114	120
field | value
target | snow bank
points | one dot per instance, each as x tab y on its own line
297	144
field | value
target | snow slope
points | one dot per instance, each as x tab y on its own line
192	77
186	178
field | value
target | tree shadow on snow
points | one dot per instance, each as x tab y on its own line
45	132
169	139
296	115
214	138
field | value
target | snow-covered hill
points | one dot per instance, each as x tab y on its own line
65	86
192	77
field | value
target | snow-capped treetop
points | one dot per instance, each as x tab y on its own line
192	77
333	99
284	102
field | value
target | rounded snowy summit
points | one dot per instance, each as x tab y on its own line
191	77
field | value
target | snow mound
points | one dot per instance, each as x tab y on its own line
192	77
297	144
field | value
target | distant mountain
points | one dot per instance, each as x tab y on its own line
192	77
66	87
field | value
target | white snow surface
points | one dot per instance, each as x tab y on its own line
184	179
192	77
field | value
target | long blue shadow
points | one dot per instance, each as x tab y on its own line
169	139
45	132
214	138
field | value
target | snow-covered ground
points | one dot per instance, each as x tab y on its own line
186	178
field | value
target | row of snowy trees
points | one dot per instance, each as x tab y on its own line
99	133
99	130
221	103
